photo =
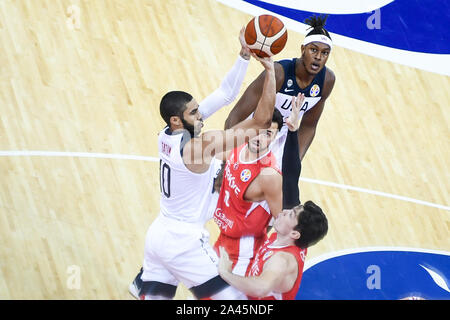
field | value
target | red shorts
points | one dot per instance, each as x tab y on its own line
241	250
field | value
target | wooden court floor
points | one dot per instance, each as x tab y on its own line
87	76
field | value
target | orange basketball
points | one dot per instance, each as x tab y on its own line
265	35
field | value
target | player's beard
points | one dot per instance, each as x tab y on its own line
190	128
258	149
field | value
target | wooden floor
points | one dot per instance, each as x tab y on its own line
90	80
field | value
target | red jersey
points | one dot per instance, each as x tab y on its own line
242	223
264	253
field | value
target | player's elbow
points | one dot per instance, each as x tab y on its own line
230	121
263	122
231	95
261	291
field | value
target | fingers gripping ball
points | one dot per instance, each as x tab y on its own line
265	35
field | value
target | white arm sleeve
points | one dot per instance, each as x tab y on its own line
228	90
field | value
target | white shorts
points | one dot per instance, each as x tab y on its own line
177	252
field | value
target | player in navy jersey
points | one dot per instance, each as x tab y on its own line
308	75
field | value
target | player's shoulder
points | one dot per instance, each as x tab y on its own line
270	180
329	75
285	259
329	81
269	174
289	260
284	64
279	71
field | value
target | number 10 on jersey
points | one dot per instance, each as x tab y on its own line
164	178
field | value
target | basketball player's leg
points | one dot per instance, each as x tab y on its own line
155	281
229	293
196	268
152	290
241	251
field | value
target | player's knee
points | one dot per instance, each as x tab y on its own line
154	290
229	293
209	288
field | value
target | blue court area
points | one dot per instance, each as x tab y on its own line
378	275
412	25
420	30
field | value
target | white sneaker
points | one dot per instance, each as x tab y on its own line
134	290
135	287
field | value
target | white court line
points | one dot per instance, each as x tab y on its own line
327	256
76	154
153	159
377	193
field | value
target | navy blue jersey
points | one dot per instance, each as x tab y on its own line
290	87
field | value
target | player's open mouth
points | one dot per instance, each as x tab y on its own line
315	66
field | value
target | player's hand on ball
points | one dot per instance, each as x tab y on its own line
267	62
292	121
224	261
245	50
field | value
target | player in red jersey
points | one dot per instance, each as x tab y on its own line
277	269
251	193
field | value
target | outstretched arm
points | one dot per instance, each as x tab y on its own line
249	100
310	119
199	152
231	84
220	141
292	121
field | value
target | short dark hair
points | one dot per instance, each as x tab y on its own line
317	24
278	118
173	104
312	224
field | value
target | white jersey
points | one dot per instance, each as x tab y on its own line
177	247
185	196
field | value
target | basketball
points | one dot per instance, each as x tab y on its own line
265	35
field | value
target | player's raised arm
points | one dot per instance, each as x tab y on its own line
264	109
231	84
249	100
219	141
310	119
199	152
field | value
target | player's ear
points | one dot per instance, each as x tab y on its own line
175	121
295	234
302	49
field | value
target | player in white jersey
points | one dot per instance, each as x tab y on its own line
177	245
307	75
